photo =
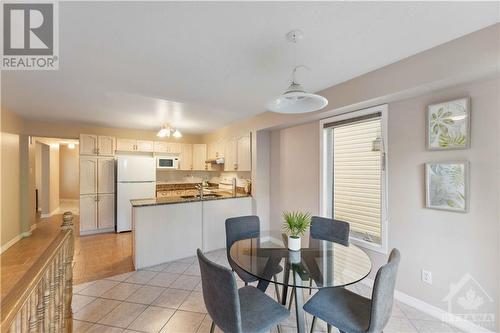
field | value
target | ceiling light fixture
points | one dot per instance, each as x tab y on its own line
295	99
71	146
167	131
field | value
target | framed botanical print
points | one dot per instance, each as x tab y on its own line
447	186
448	125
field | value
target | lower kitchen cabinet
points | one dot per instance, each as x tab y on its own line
97	213
215	213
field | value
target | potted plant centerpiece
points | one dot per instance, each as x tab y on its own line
295	224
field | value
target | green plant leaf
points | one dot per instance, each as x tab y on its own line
296	223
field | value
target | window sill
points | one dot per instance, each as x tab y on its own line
379	248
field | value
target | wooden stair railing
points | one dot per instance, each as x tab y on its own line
41	300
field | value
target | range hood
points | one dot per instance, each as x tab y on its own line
219	160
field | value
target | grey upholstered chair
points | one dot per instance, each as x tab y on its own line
236	311
352	313
329	229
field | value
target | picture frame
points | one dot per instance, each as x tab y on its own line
448	125
447	186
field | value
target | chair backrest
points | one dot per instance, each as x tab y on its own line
329	229
238	228
383	293
220	294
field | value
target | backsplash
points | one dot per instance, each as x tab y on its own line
177	175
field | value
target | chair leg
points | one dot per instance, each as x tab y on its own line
279	328
329	328
277	289
292	294
246	284
313	323
310	286
212	328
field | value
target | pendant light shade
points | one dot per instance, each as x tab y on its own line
295	99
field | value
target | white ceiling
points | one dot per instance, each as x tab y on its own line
203	65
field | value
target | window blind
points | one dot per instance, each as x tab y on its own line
357	176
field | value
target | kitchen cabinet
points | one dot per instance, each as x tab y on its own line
145	146
199	156
105	175
134	145
88	175
186	156
215	150
231	155
244	154
167	147
105	145
97	145
88	212
215	213
106	211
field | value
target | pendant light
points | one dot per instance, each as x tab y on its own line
296	99
167	131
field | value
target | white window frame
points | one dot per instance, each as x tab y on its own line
323	195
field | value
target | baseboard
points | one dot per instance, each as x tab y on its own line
13	241
433	311
52	213
96	231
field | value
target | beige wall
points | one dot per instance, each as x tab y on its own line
69	187
54	178
448	244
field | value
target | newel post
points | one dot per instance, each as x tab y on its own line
68	267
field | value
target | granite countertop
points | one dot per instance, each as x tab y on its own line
176	200
176	182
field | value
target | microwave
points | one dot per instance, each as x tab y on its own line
167	162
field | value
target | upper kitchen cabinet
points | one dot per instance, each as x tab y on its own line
105	145
215	150
134	145
167	147
97	145
244	154
199	156
186	156
231	155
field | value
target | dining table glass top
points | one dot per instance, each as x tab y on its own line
319	264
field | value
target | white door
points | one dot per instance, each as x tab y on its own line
230	155
88	212
106	211
88	144
88	175
244	160
145	146
135	169
125	193
199	156
106	145
106	175
186	157
126	144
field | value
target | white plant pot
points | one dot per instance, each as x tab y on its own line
294	257
293	243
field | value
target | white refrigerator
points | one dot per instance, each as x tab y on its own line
136	179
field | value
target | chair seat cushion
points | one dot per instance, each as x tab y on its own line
341	308
259	312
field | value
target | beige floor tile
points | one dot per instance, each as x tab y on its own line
412	313
96	328
157	268
198	287
186	282
206	324
177	267
141	277
163	279
399	325
81	326
194	302
432	326
123	315
183	322
121	291
146	294
79	287
152	319
120	277
79	301
96	310
194	269
171	298
189	260
98	288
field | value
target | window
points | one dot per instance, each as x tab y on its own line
353	184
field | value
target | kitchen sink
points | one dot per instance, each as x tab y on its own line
207	196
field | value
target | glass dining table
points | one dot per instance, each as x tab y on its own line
319	264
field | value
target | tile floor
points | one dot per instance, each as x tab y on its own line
167	298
